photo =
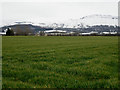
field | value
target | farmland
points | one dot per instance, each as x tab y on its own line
60	62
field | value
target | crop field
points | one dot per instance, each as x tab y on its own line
60	62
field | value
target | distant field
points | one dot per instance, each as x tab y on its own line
60	62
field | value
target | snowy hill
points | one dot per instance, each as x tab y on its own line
86	21
99	20
82	22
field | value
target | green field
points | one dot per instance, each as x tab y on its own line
60	62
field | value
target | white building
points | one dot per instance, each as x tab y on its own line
55	32
93	32
85	33
113	33
108	33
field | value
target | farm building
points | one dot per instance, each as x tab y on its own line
93	32
85	33
108	33
55	32
113	33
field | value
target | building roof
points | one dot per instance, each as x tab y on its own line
85	33
93	32
106	32
55	31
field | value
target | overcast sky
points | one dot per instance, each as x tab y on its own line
54	11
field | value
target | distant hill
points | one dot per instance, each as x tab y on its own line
22	27
91	20
89	23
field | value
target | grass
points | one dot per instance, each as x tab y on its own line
60	62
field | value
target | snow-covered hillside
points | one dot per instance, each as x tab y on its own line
85	22
100	20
